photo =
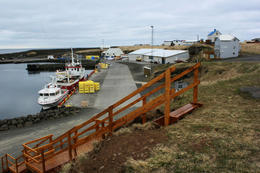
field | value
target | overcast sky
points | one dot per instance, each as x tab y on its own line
85	23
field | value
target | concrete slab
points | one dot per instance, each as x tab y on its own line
117	84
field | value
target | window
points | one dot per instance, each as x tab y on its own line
41	94
46	94
52	94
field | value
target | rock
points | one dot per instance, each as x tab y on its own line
28	124
20	121
14	122
1	122
12	127
101	167
9	122
19	125
4	127
36	120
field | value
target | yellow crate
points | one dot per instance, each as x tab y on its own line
97	86
86	89
92	89
81	86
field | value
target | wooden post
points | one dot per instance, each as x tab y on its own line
50	141
75	141
7	164
103	125
195	89
97	125
16	167
2	161
167	97
43	161
110	114
144	115
69	145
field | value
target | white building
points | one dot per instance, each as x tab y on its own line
212	36
112	53
227	46
159	55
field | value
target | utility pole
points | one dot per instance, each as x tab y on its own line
151	51
152	44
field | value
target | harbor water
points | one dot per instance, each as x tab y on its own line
19	90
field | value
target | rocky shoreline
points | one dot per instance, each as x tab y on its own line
29	120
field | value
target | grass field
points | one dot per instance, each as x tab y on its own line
221	136
250	48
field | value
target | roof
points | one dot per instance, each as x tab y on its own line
213	32
157	52
227	37
112	50
49	90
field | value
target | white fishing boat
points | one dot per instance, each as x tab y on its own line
51	95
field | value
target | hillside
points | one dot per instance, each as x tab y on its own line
222	136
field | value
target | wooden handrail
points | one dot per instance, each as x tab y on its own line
73	135
31	149
36	140
32	158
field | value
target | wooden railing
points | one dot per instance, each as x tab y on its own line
109	119
7	162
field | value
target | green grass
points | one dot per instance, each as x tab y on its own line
222	136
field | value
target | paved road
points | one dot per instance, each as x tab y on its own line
118	83
248	58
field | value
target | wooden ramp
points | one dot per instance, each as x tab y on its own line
45	154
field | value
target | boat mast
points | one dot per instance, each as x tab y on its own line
72	57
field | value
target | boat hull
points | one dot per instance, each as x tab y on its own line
54	103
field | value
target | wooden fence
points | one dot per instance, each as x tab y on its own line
39	153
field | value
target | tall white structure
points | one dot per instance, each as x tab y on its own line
213	35
227	46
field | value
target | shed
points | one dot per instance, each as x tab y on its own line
227	46
112	53
213	35
159	55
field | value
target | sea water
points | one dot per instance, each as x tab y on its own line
19	90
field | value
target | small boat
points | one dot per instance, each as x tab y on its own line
51	95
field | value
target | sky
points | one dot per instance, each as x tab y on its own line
92	23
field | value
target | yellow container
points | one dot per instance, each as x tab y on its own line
97	86
91	89
82	87
103	65
86	89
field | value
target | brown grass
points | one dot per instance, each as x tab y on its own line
222	136
250	48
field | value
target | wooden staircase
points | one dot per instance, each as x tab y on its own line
45	154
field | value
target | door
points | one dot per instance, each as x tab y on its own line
163	60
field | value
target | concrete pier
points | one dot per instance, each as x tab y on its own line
116	82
